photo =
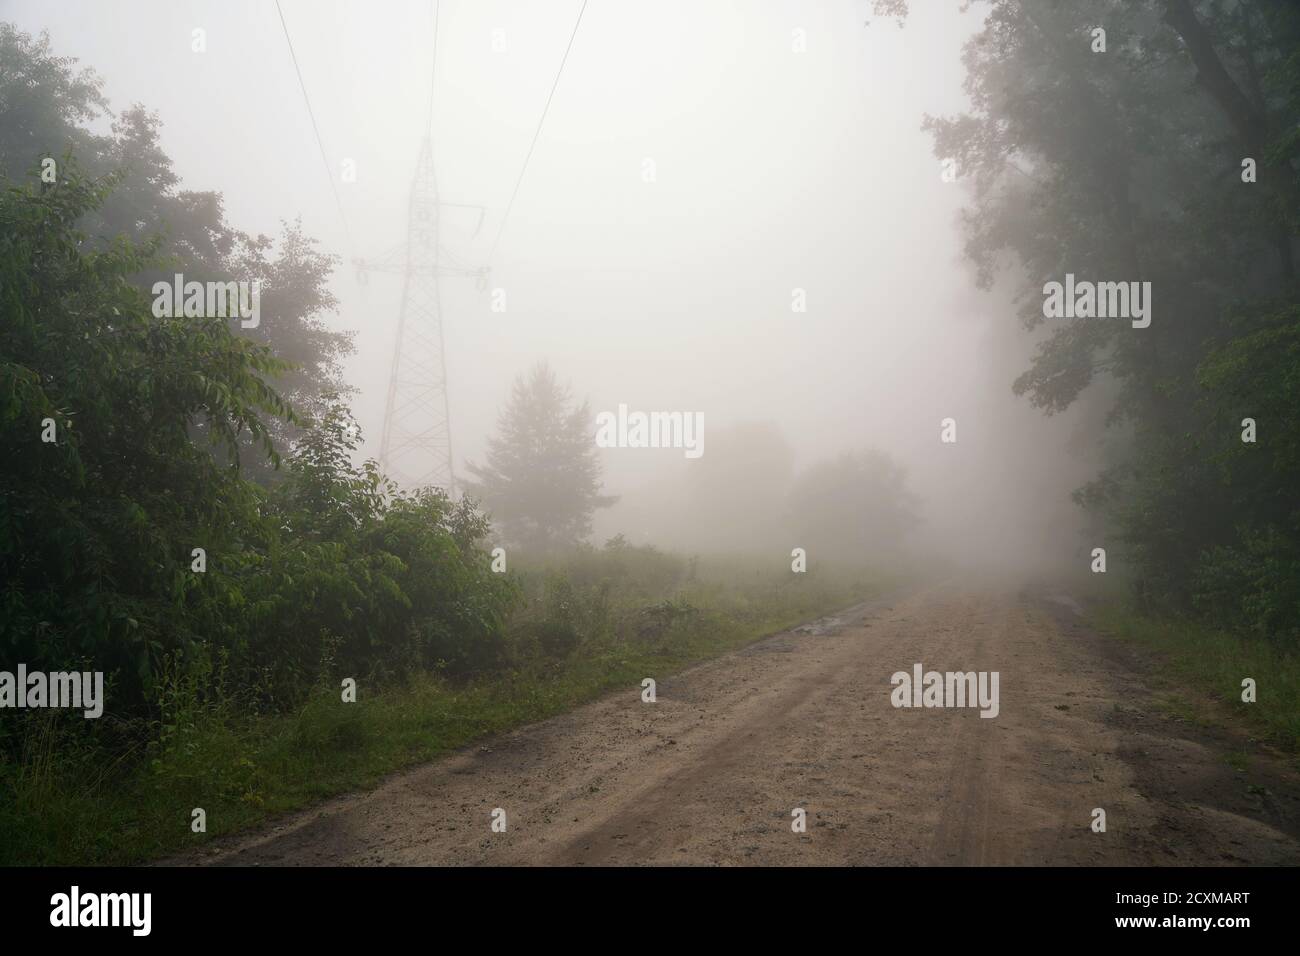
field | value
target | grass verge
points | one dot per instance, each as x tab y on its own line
71	801
1216	662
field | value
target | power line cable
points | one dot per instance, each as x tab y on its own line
536	133
433	70
329	172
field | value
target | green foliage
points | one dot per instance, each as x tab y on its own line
97	527
1215	662
50	109
640	571
386	582
332	571
68	799
1252	576
1126	166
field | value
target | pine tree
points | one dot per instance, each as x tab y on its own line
541	483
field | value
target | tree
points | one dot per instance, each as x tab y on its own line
127	547
104	494
47	105
853	507
541	483
1127	165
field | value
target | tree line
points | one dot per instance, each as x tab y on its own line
1161	149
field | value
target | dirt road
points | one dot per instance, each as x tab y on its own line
710	772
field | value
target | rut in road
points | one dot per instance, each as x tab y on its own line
710	773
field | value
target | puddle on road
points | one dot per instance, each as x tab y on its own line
822	627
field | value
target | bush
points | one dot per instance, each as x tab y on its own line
334	571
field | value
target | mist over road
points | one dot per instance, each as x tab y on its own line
711	772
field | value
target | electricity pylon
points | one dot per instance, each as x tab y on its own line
416	446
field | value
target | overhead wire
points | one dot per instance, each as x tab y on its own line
536	133
433	70
329	171
523	171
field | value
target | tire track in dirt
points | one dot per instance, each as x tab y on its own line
710	773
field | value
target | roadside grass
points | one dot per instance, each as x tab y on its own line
1216	662
71	800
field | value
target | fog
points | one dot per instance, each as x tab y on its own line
772	171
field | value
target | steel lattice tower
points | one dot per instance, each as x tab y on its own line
416	446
